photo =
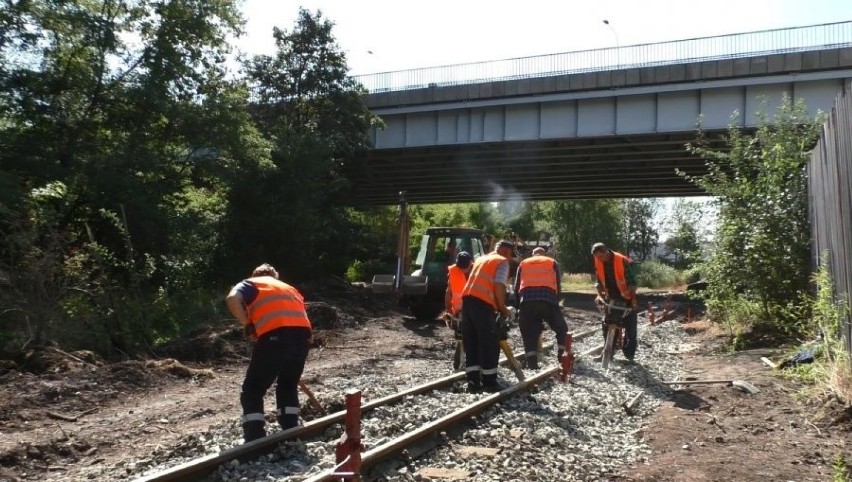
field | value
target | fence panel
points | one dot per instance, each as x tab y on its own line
830	192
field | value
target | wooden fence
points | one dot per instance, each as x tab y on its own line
830	192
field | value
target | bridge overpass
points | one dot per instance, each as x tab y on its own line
605	123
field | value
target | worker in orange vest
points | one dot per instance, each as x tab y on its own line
537	288
273	315
483	299
456	279
616	285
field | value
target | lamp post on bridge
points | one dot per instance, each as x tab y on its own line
617	43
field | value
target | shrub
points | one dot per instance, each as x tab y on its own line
655	275
833	369
692	275
578	281
365	270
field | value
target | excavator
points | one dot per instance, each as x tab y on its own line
422	291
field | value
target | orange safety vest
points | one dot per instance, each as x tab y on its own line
618	260
457	279
538	271
480	283
277	305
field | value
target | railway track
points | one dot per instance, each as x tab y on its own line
204	466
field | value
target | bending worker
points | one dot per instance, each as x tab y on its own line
616	285
456	279
537	285
483	299
273	314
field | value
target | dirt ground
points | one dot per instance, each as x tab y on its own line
78	411
718	433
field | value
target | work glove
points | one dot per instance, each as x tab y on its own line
504	322
250	333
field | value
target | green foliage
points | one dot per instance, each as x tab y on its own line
365	270
578	282
642	235
831	371
840	469
684	245
760	264
315	115
577	225
121	140
805	372
656	275
692	275
77	290
827	313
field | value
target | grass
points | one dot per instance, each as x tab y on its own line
653	277
578	282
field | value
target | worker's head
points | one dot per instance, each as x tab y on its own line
601	252
505	249
464	260
265	269
538	251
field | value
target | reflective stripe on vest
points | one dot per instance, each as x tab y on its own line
277	305
538	271
618	261
480	283
457	279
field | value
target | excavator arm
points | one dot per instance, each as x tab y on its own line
399	282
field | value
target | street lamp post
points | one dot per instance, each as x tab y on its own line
617	43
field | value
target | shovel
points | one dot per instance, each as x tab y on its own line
516	367
311	397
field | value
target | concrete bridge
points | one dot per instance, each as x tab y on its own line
606	123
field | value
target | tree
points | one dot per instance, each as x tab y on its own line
577	225
762	251
314	113
121	109
642	236
685	243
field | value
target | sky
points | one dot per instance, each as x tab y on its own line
387	35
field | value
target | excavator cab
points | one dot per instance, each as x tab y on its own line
438	250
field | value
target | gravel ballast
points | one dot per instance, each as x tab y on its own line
558	431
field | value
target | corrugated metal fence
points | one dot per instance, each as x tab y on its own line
830	187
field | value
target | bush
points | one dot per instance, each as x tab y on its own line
653	274
365	270
692	275
578	281
829	313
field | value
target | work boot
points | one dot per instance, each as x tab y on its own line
288	421
493	387
532	362
253	431
473	387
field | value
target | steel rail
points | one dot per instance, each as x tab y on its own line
202	466
391	448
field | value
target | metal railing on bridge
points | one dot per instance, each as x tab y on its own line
719	47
